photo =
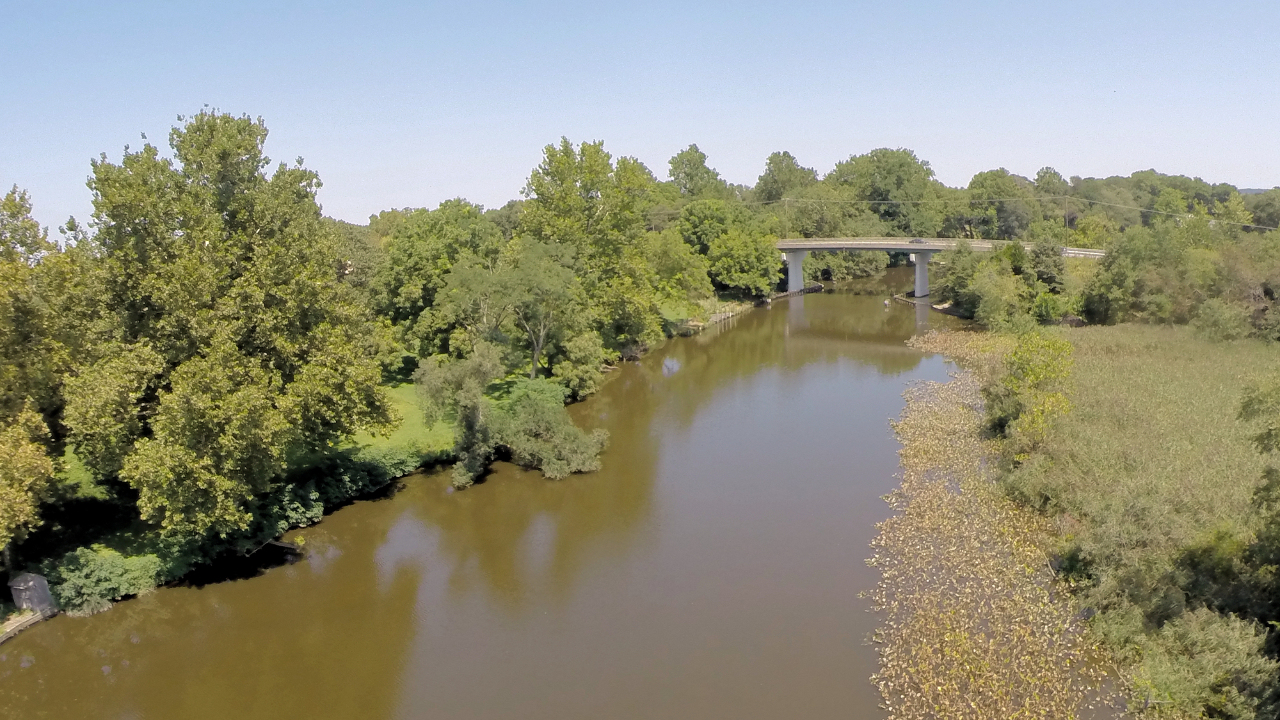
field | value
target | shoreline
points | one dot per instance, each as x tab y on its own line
974	622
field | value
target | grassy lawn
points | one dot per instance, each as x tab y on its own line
412	432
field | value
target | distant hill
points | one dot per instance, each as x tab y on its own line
1254	191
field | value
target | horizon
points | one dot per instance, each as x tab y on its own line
404	106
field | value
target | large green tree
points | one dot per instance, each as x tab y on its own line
229	344
1002	205
782	173
692	176
580	198
422	247
30	361
895	185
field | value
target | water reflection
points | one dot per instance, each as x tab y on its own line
711	568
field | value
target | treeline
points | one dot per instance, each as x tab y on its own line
184	375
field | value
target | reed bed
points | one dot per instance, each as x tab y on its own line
975	623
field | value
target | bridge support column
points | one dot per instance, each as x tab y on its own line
795	269
921	259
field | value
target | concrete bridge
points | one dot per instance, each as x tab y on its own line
921	250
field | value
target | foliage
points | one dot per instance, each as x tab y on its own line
1204	663
744	262
839	265
1154	491
581	363
1002	205
87	580
782	173
531	423
1029	394
897	186
422	247
693	178
1217	319
703	221
25	474
229	342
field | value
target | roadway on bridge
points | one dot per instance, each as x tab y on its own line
897	244
922	248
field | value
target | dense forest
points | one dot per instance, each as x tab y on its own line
188	373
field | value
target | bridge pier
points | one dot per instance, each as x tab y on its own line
921	259
795	269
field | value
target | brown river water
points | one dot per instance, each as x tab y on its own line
711	569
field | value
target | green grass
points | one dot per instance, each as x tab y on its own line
412	431
1148	475
1152	455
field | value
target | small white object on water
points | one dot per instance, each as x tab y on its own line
886	303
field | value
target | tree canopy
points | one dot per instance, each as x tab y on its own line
225	341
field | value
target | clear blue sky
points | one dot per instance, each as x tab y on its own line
407	104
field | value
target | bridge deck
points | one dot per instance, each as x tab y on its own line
892	244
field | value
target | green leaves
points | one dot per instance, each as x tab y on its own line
1261	404
692	177
746	262
110	402
228	342
25	474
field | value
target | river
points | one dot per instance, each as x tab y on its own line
711	569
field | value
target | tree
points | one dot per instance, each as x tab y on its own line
745	262
31	363
25	475
458	386
1265	208
580	198
580	362
531	423
692	177
421	248
1003	204
228	342
782	173
702	221
545	295
896	185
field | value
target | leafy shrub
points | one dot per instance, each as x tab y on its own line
579	366
1220	320
1024	399
1210	665
87	580
535	427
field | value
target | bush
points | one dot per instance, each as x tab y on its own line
1210	665
1027	396
87	580
745	262
579	366
1221	321
537	430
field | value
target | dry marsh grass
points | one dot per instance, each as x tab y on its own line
1151	468
975	625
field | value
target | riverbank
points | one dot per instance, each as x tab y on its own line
1163	519
704	571
975	623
